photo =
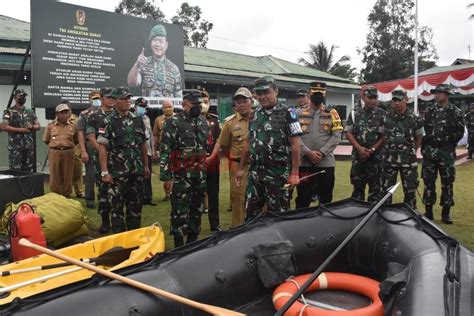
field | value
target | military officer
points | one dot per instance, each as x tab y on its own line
212	172
233	135
20	122
124	162
168	109
444	127
157	75
61	137
302	99
364	130
273	146
469	120
322	129
403	131
182	165
86	147
96	127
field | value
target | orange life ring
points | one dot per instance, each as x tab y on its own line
330	280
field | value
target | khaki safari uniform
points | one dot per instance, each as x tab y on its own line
77	180
61	139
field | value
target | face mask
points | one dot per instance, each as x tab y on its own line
195	110
168	112
21	101
140	111
204	108
317	98
96	102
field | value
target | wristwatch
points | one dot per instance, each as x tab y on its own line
372	149
104	173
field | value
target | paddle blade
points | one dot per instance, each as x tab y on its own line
113	256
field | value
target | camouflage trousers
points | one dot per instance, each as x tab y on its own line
410	182
103	207
447	173
187	206
128	191
269	193
21	159
366	173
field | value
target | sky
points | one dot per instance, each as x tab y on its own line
286	29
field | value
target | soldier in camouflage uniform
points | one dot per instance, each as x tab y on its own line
182	165
302	99
158	76
20	123
403	132
444	127
469	120
94	128
124	153
364	130
273	146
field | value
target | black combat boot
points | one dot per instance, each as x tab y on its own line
445	215
429	211
469	155
178	242
105	226
191	237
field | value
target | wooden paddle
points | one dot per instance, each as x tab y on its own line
215	310
109	258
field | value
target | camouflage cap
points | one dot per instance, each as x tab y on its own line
317	87
121	92
141	102
398	95
301	92
243	92
157	30
94	95
19	92
264	83
192	95
106	92
62	107
441	88
371	91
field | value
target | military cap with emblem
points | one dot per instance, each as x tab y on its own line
317	87
243	92
398	95
94	95
371	91
192	95
62	107
121	92
301	92
19	92
157	30
106	92
441	88
264	83
141	102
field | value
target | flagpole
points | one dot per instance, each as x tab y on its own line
415	88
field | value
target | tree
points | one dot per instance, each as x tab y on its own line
196	30
141	8
323	59
389	50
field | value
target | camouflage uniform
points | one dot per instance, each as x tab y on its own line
90	172
469	120
161	78
182	160
21	151
123	137
212	173
401	131
444	128
96	125
270	158
366	125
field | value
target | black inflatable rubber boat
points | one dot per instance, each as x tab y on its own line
421	270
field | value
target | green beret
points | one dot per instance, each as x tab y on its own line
157	30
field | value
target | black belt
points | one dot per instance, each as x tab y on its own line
61	148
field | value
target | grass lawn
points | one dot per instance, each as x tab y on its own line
462	213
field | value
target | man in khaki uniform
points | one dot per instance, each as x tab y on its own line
167	108
77	180
233	135
61	137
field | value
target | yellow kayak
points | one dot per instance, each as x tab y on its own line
137	246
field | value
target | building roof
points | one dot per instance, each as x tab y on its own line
462	61
441	69
13	29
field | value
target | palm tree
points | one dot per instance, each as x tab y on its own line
322	58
